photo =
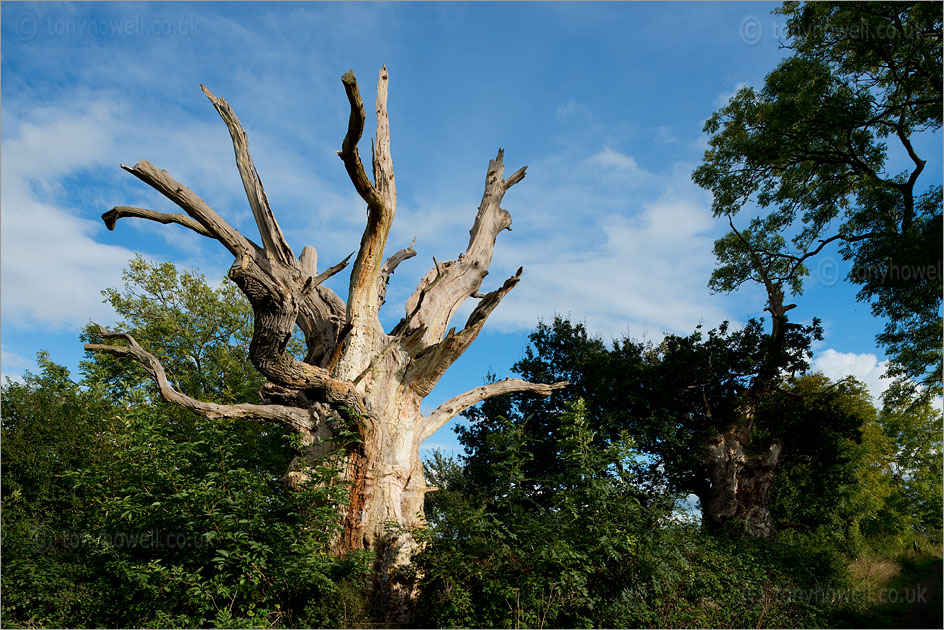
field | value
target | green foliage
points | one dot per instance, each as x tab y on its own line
913	426
176	527
200	334
122	511
810	149
869	480
829	481
584	552
669	398
50	426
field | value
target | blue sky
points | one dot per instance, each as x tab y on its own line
605	103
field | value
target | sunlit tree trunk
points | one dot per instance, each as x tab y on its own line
355	374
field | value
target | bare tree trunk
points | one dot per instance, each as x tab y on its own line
352	364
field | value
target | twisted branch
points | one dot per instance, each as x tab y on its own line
299	420
460	403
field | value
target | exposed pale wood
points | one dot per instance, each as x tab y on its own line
119	212
327	273
389	267
459	279
351	362
272	238
197	208
429	366
349	153
292	417
457	404
363	302
308	261
384	179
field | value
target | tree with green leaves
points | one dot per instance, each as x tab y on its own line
828	484
200	334
574	543
698	406
811	151
122	510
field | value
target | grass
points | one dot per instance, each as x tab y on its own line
890	591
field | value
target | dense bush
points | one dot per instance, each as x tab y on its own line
591	554
175	523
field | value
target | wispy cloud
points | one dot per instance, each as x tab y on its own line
52	264
12	366
722	99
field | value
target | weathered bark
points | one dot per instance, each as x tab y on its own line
351	363
739	483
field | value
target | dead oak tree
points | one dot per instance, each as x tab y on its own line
351	361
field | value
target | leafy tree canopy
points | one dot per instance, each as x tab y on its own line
668	397
810	149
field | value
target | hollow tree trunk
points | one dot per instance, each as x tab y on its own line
352	364
739	484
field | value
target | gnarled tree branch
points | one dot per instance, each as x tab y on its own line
429	366
119	212
193	205
457	280
363	301
457	404
292	417
272	238
389	267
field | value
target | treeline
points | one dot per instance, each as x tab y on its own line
709	479
120	510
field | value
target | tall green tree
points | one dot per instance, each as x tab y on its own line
573	545
915	426
831	476
810	149
50	426
201	334
698	406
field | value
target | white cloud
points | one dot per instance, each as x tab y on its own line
865	367
633	261
52	267
12	366
62	172
620	164
665	135
722	99
574	112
